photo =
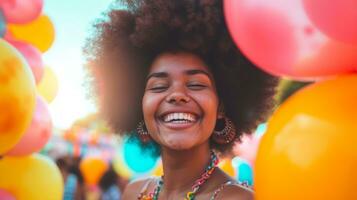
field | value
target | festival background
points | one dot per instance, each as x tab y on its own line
308	144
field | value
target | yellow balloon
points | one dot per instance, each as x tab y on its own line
121	168
40	32
158	171
226	166
31	178
17	96
48	86
309	150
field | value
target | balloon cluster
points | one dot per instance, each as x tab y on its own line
25	121
280	38
31	33
309	149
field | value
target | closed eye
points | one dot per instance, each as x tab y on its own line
196	86
158	88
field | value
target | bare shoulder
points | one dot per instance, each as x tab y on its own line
133	189
236	192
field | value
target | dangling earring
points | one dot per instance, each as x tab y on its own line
227	134
143	133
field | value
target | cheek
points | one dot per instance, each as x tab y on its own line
211	113
209	104
149	105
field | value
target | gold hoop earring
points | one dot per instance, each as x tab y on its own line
227	134
143	133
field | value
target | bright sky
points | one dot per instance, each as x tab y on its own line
72	20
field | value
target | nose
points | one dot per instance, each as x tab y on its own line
177	96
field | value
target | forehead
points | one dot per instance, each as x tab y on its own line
177	63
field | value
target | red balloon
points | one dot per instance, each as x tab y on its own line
279	38
336	18
33	57
38	134
332	58
259	32
21	11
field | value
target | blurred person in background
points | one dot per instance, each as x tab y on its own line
73	180
109	185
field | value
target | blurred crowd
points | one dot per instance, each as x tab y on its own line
109	187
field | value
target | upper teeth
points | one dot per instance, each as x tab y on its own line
179	116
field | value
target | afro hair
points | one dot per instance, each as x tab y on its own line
125	44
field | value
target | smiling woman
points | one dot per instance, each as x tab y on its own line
169	70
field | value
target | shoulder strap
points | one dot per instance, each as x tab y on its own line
145	188
220	188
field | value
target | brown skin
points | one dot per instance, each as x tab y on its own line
180	91
181	82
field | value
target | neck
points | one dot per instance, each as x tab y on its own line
183	167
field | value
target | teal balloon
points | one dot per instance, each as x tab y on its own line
137	159
245	174
244	171
2	25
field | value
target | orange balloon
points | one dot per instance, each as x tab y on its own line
48	86
309	151
17	96
92	169
40	32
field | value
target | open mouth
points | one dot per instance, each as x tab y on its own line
179	118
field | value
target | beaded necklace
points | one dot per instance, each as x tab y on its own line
196	186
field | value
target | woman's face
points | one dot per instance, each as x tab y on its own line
180	102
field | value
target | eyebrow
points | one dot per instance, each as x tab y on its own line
188	72
198	71
157	75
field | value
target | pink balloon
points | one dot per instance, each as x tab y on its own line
37	134
4	195
33	57
336	18
21	11
278	37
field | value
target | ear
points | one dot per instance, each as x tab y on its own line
220	112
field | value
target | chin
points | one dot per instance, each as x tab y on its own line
179	143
